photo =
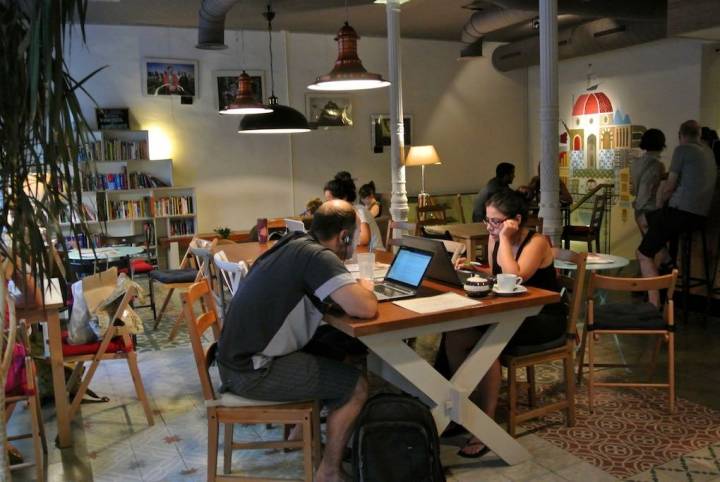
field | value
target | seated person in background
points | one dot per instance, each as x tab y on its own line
645	174
367	198
504	175
532	190
273	320
523	252
342	187
688	192
311	206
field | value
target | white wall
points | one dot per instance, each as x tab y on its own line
657	84
474	115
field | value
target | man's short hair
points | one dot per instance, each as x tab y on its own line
690	129
331	218
652	140
504	169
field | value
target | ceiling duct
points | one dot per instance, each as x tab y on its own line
589	38
641	10
211	23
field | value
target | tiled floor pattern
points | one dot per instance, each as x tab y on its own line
114	443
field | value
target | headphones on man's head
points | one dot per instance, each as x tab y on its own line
346	240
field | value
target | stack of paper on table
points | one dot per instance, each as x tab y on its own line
598	259
432	304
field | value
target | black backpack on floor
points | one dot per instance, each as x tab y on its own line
396	440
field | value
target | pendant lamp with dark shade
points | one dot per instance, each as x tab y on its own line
348	73
281	119
245	102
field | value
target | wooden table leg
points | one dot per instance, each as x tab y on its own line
58	377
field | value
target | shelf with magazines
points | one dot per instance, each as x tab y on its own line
126	194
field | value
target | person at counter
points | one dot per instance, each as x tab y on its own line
504	175
523	252
646	174
268	347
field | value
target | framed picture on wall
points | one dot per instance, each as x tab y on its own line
380	131
170	77
326	111
226	82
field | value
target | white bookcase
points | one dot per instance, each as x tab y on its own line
125	193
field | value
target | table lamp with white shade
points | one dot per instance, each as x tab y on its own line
422	156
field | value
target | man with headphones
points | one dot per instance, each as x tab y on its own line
264	351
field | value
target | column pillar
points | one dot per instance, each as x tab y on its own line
399	204
549	121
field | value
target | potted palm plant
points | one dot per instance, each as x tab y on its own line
42	130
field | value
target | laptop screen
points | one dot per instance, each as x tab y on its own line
409	266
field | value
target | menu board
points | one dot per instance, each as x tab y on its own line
113	118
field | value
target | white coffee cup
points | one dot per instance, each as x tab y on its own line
507	283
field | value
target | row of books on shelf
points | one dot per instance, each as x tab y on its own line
114	150
173	206
81	241
130	209
92	181
181	227
141	180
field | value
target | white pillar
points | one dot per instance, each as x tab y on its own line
549	121
399	204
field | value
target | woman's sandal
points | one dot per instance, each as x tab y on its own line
475	455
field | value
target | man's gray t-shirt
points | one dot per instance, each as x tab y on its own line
694	164
278	306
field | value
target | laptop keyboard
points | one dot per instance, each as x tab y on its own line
387	291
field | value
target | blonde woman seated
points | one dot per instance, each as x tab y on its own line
515	250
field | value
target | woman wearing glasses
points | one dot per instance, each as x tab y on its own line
520	251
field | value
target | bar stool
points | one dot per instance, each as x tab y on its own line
688	281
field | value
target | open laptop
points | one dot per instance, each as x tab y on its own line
405	274
441	268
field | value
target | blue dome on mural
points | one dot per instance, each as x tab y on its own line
620	119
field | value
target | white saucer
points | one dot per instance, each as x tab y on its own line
518	290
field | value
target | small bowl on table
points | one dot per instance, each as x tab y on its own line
477	286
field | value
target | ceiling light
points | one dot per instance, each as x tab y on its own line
348	73
245	102
282	119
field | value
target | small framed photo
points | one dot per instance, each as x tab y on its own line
380	131
326	111
227	85
112	118
170	77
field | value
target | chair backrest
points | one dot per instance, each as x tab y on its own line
435	213
461	211
612	283
410	228
574	285
231	273
293	225
198	255
197	326
598	209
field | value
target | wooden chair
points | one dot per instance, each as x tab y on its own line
27	392
116	344
461	211
176	279
591	232
390	241
562	349
631	319
431	214
229	409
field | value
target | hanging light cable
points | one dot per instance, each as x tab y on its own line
282	119
348	72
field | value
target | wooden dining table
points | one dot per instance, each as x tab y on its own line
35	311
391	358
471	235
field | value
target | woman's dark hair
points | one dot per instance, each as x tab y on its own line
652	140
344	176
510	203
342	189
367	190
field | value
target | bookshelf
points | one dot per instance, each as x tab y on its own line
127	194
